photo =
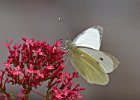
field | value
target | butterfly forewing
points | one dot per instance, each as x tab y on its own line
107	61
90	38
88	67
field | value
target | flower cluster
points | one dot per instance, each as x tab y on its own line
63	88
33	62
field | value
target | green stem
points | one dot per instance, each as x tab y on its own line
46	97
26	97
11	96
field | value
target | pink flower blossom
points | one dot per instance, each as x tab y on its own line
33	62
21	96
7	45
64	88
4	96
17	71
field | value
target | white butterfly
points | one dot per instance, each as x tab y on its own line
85	55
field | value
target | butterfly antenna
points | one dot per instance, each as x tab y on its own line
65	28
64	48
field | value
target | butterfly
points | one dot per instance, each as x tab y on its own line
85	55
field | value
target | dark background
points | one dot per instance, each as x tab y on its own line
121	21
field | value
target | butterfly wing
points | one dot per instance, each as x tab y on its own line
107	61
88	67
90	38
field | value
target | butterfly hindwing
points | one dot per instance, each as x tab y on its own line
107	61
88	67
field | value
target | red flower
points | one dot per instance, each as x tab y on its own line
64	89
33	62
21	96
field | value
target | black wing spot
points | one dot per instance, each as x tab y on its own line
101	59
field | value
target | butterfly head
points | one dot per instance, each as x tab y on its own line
69	45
